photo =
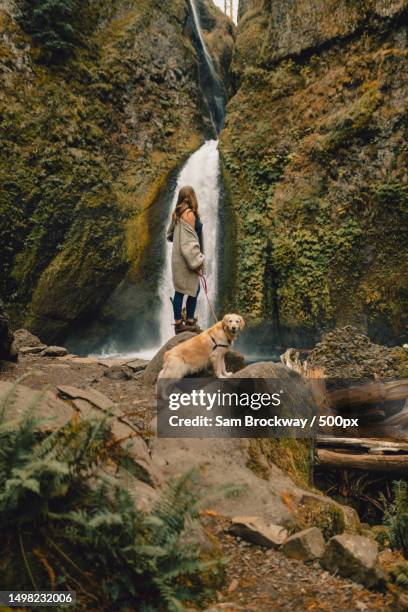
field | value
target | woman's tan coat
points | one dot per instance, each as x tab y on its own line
186	257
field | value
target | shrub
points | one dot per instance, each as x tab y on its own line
53	24
396	517
66	524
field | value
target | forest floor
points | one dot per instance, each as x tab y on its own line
256	579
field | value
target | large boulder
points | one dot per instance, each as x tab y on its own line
271	495
152	370
255	530
91	403
51	412
305	545
7	351
261	369
22	337
354	557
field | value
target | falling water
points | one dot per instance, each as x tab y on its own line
216	95
201	172
197	24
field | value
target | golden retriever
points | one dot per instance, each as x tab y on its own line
211	346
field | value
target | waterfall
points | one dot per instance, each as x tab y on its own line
197	25
212	87
201	171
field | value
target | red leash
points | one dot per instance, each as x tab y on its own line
205	287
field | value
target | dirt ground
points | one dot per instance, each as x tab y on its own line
256	579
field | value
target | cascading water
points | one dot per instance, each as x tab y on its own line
212	87
201	172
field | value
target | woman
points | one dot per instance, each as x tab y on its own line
185	232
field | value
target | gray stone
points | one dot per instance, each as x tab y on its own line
54	351
118	373
253	529
305	545
261	369
354	557
152	370
137	365
32	350
22	337
91	395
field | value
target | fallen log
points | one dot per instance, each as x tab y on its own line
373	463
369	393
372	446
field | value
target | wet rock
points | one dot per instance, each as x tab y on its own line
354	557
52	413
155	365
22	337
54	351
254	529
305	545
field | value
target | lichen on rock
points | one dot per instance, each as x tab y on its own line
316	163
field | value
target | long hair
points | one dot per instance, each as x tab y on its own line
186	199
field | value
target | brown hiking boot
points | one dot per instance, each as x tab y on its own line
179	327
192	326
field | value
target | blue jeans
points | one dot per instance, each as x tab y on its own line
190	305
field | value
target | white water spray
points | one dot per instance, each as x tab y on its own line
201	172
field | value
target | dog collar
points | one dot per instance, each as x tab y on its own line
216	345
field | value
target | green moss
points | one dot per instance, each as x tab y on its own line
84	146
290	455
318	212
327	517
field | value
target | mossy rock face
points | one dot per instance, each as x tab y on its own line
315	155
87	147
292	456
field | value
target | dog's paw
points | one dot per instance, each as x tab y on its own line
229	374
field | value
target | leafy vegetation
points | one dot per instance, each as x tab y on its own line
66	524
53	24
315	155
396	517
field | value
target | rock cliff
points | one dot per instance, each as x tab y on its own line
315	157
88	145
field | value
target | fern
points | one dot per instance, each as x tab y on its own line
55	497
396	517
